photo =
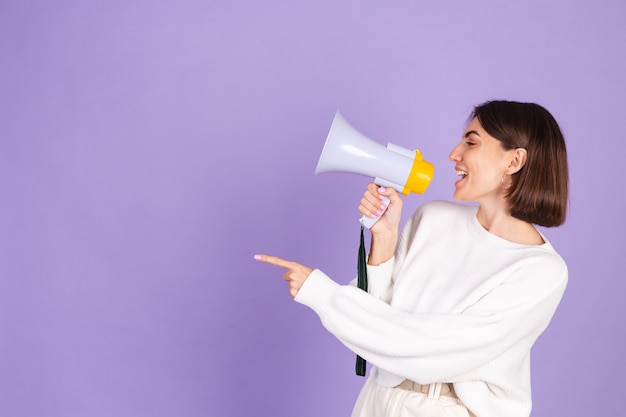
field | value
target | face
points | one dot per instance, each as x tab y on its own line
482	163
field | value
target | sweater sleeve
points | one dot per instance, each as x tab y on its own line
434	347
379	280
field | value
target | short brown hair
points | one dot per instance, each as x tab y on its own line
539	191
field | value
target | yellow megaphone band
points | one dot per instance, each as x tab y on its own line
420	176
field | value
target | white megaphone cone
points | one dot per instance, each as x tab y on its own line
348	150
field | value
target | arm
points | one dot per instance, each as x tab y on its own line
433	347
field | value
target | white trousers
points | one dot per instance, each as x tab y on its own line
378	401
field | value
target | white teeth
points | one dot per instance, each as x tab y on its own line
461	173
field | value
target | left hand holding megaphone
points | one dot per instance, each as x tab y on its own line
380	201
385	230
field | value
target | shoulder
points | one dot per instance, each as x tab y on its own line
536	266
546	260
445	209
439	215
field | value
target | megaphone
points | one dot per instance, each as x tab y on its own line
348	150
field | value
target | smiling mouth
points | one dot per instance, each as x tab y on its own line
461	173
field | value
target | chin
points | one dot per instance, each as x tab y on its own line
459	196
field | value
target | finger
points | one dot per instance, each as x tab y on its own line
296	285
370	199
394	197
372	188
387	191
370	211
372	193
371	204
274	260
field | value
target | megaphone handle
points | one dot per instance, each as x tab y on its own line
369	221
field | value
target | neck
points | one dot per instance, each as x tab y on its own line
502	224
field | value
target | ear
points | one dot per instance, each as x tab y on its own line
518	161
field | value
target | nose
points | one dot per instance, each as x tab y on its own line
455	154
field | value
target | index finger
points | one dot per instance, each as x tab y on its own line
274	260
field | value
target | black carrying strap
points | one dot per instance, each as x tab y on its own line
362	284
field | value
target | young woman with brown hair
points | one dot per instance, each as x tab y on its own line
458	298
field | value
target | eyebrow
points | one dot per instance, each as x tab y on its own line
470	133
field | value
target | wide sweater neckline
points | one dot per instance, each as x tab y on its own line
483	234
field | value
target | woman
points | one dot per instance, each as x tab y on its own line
457	300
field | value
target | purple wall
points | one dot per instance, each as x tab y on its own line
149	149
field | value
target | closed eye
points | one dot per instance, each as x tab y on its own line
468	135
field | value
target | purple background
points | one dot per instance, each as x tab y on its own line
148	149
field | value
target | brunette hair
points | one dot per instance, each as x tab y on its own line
539	190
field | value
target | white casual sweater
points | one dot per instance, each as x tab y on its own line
456	304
